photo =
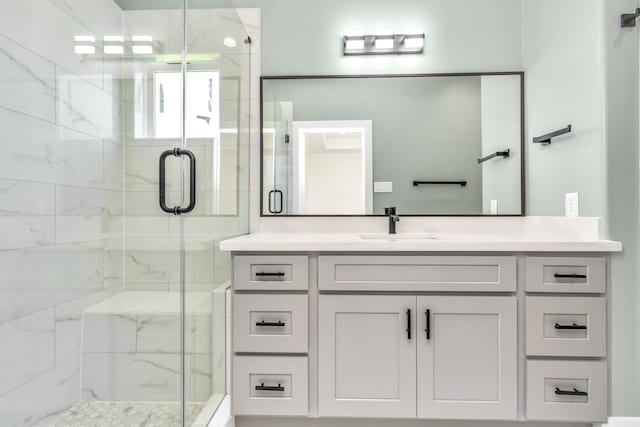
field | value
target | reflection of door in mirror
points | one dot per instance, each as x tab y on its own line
276	137
332	170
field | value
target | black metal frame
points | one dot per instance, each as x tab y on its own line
521	74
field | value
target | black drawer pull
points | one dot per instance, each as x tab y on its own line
280	274
408	324
574	392
427	330
574	327
570	276
279	323
263	387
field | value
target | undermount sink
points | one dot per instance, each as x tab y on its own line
399	237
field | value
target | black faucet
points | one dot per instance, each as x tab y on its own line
393	218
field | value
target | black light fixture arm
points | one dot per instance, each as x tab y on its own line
628	20
546	139
503	154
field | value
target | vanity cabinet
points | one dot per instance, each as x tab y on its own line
467	357
367	356
471	337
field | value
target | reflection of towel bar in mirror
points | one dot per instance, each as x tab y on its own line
460	183
503	154
546	139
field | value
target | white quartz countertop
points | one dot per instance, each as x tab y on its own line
410	242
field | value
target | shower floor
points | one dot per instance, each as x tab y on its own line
127	414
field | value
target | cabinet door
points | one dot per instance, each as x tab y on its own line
367	365
467	357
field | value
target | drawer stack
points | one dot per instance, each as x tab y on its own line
566	339
270	335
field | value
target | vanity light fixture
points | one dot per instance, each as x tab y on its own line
229	42
383	44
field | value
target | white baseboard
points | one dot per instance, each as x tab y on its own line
622	422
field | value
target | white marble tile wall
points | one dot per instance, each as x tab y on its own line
135	357
61	197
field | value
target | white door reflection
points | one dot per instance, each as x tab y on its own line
332	168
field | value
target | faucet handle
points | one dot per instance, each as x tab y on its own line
390	211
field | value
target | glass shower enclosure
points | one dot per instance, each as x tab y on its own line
125	133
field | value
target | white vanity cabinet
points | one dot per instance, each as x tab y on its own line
367	356
467	357
513	337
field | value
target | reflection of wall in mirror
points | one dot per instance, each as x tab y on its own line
424	128
501	131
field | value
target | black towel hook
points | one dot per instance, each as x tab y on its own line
628	20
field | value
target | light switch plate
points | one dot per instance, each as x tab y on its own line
383	187
571	204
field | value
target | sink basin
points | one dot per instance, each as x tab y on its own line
399	237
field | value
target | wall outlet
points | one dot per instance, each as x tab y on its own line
494	207
383	187
571	204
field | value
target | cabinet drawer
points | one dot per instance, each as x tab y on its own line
417	273
560	274
566	326
275	385
270	272
270	323
567	391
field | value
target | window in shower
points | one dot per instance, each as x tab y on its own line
202	115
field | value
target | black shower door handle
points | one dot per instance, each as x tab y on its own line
272	197
177	210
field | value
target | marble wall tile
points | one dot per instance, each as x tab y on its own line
87	214
40	401
161	334
30	340
86	108
69	267
109	333
39	151
26	198
133	377
18	302
199	377
26	231
153	266
27	81
113	158
68	323
113	274
49	31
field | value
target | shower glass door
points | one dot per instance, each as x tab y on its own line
113	310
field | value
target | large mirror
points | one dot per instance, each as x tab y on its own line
445	144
